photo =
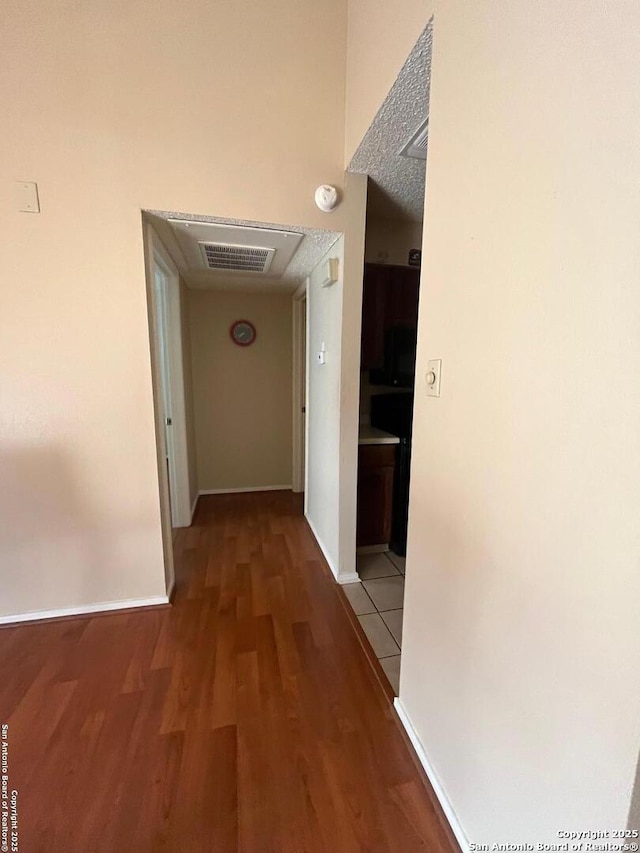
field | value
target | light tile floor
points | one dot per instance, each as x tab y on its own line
393	620
378	602
386	593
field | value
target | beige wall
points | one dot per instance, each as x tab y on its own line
381	34
389	240
188	391
521	642
242	395
112	108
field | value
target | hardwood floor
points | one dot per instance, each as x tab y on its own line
243	718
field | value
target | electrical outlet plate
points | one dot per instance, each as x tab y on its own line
434	370
26	197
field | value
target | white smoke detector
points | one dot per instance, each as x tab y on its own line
326	198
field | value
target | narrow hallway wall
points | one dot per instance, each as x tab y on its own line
242	396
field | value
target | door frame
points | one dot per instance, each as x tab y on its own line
176	494
300	384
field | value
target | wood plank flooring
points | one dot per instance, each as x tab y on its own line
243	718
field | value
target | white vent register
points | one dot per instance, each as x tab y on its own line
235	250
218	256
416	147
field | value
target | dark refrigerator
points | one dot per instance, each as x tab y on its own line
394	413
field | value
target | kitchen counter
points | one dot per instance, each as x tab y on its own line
370	435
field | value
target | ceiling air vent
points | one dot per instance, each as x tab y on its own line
416	147
244	253
234	258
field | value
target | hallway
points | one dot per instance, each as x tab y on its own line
245	717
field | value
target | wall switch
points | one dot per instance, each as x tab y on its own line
26	197
434	369
332	272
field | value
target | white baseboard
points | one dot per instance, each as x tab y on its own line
245	489
350	577
439	791
194	505
341	578
172	586
84	609
322	547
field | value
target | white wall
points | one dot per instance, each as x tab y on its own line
521	641
188	391
111	109
355	210
324	325
334	316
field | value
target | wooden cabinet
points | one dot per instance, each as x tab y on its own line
389	321
403	297
374	309
376	466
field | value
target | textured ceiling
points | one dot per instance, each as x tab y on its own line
396	184
314	245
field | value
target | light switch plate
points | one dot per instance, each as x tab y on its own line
332	272
26	197
434	371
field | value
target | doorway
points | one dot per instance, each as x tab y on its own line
393	154
243	431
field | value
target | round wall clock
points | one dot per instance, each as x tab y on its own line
243	333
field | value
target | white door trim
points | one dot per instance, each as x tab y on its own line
177	433
300	377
